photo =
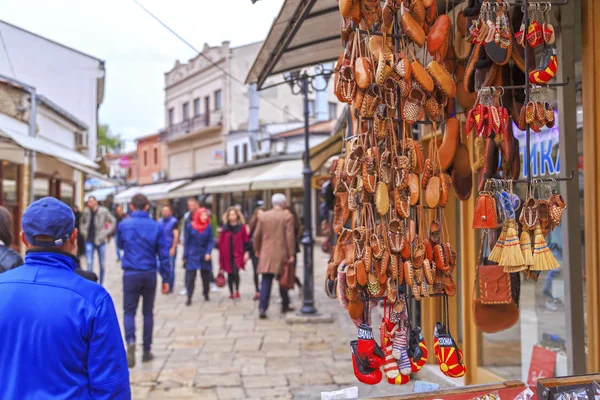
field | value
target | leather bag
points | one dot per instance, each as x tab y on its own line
492	318
287	277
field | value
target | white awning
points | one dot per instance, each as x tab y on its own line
282	175
235	181
158	191
100	194
305	33
194	188
18	131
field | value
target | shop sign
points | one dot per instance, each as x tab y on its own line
544	156
124	162
543	362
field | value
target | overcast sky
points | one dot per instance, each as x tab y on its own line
137	50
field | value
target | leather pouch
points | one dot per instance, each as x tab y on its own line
494	285
485	212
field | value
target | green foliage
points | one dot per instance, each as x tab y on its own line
111	142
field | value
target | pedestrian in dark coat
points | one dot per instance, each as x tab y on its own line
233	248
198	244
9	258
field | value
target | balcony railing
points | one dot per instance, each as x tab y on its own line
192	125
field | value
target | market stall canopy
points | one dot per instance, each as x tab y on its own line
100	194
158	191
235	181
18	132
305	33
281	175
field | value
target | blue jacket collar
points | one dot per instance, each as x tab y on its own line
140	214
52	258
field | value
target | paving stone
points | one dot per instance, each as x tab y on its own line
311	378
344	379
225	393
249	370
268	393
247	344
218	380
266	381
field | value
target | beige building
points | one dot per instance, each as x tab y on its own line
204	104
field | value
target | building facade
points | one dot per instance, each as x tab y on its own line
48	121
210	115
150	159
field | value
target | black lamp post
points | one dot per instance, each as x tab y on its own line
302	83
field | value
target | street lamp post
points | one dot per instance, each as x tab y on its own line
304	84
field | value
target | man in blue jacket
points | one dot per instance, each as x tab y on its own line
60	336
142	240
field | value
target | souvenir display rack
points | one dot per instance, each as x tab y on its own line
512	259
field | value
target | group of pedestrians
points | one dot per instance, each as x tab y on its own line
73	347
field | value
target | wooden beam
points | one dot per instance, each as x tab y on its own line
591	164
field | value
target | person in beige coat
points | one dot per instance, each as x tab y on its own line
274	246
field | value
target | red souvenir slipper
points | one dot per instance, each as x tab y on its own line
448	355
400	380
547	68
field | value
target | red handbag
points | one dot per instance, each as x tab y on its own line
220	279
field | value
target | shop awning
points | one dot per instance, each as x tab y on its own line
100	194
305	33
158	191
322	152
235	181
281	175
18	131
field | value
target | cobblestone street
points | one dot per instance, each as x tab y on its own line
221	350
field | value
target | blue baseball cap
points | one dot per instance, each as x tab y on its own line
48	217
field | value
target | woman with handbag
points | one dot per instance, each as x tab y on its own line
233	248
198	244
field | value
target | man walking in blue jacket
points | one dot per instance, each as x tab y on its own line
142	241
60	336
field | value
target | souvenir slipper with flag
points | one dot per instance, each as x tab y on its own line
448	355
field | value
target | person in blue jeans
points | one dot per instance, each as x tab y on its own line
143	241
60	333
170	227
97	224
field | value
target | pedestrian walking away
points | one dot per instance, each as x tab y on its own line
97	224
233	248
170	227
275	246
198	244
119	216
142	241
60	333
252	225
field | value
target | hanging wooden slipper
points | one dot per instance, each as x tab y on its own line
545	222
543	259
442	78
385	167
438	34
354	161
377	244
433	192
369	176
382	199
557	206
547	69
413	29
530	215
434	232
402	202
401	168
414	106
395	234
427	173
446	185
419	159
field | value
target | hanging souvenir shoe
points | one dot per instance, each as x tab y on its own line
557	206
547	68
400	347
448	355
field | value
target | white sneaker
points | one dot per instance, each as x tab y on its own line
213	287
183	292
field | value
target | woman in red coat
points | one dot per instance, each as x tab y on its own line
233	248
